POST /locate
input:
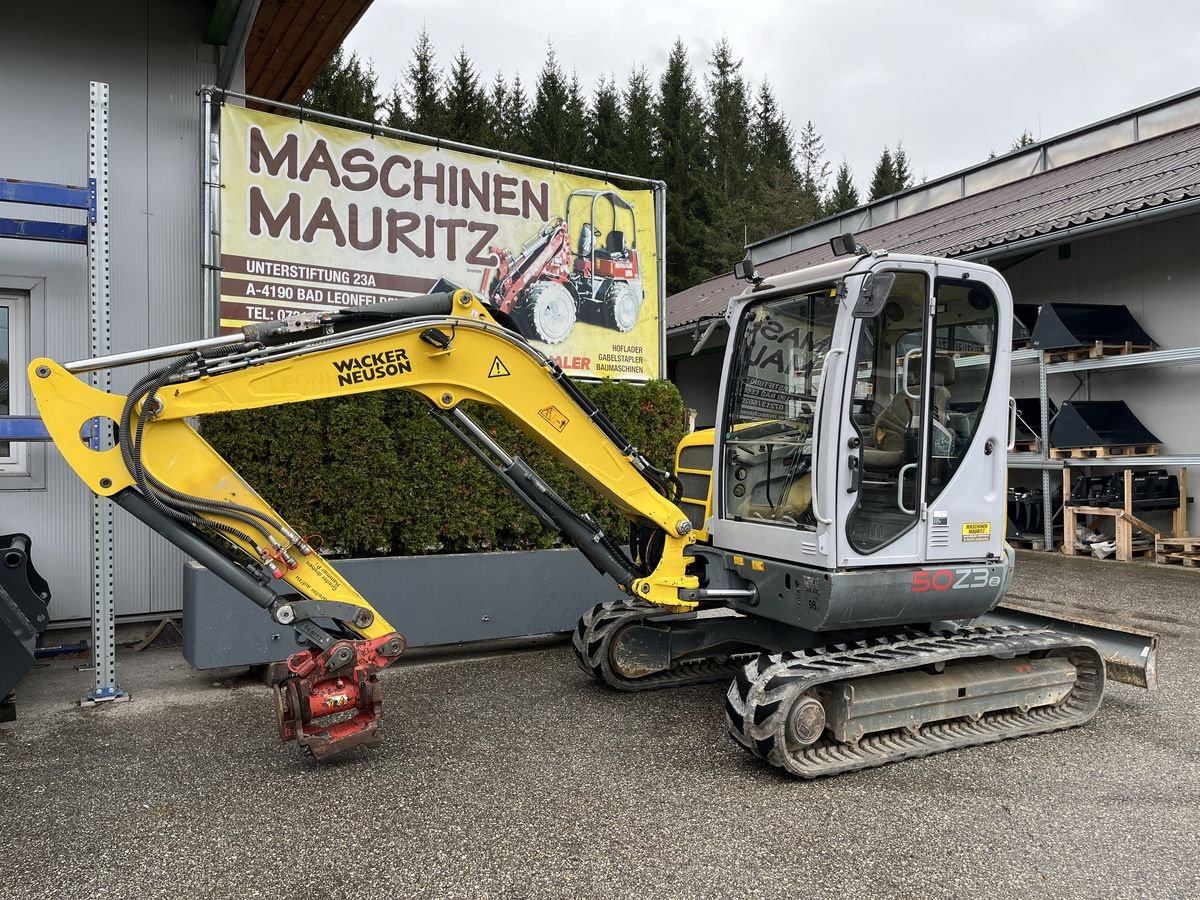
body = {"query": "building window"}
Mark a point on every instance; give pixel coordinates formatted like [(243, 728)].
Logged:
[(14, 357)]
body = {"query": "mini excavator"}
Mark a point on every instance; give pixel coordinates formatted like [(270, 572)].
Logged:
[(829, 547)]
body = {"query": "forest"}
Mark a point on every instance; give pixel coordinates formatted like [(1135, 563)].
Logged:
[(736, 169)]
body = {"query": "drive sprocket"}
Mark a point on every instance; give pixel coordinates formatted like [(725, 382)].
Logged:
[(594, 636)]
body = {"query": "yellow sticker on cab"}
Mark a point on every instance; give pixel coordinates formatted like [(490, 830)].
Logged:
[(977, 531)]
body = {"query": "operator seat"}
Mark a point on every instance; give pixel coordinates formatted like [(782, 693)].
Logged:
[(794, 505), (583, 253), (614, 246), (891, 427)]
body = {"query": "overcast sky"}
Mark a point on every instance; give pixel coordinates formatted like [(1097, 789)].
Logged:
[(952, 80)]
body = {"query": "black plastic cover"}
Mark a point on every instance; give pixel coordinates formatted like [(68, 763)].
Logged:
[(1064, 325), (1152, 490), (1029, 418), (24, 597), (1097, 423), (1024, 318)]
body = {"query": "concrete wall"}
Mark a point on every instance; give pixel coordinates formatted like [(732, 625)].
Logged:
[(152, 56), (431, 600)]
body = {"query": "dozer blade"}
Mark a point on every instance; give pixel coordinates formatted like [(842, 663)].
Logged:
[(331, 700), (1130, 654), (840, 709)]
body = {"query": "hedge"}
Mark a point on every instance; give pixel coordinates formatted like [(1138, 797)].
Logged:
[(376, 475)]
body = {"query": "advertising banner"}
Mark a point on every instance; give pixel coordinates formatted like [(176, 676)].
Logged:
[(315, 217)]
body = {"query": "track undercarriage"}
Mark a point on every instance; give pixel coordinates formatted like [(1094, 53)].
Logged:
[(840, 703)]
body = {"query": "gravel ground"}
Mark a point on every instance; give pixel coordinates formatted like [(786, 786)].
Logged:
[(512, 775)]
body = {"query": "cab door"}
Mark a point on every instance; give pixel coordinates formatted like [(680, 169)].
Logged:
[(885, 428), (773, 478), (965, 460)]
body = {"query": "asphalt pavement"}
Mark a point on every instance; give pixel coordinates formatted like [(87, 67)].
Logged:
[(510, 774)]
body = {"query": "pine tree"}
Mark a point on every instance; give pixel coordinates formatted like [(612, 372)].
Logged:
[(557, 113), (1024, 140), (814, 168), (770, 134), (464, 111), (605, 128), (516, 118), (422, 88), (636, 155), (883, 180), (904, 176), (394, 114), (346, 87), (728, 122), (494, 127), (681, 162), (575, 138), (779, 200), (844, 195)]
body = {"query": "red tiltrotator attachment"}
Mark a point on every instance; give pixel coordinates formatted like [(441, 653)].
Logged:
[(329, 685)]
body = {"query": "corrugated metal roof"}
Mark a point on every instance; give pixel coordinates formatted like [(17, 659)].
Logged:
[(1151, 173)]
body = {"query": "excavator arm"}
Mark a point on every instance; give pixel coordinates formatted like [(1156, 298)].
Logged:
[(449, 348)]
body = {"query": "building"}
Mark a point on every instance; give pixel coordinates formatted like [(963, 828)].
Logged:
[(154, 57), (1109, 213), (1106, 214)]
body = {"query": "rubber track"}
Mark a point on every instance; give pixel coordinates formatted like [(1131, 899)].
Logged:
[(761, 695), (593, 638)]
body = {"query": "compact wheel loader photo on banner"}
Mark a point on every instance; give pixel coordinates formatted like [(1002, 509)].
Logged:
[(833, 550), (548, 285)]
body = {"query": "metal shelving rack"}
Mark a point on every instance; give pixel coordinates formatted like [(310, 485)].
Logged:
[(1145, 359), (94, 199)]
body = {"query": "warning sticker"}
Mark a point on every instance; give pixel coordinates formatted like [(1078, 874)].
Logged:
[(552, 415), (976, 531), (498, 370)]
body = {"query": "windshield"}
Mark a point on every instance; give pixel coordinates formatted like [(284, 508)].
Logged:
[(776, 375)]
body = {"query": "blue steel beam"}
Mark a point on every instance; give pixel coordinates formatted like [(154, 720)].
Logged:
[(40, 193), (43, 231), (23, 428)]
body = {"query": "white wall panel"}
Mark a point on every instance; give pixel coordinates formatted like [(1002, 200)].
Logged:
[(153, 58), (1154, 270)]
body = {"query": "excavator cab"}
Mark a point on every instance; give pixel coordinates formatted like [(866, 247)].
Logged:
[(857, 439)]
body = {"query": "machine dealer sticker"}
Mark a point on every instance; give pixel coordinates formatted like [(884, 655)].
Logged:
[(976, 531)]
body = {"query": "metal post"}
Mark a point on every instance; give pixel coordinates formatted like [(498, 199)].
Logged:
[(210, 228), (660, 215), (1047, 495), (99, 303)]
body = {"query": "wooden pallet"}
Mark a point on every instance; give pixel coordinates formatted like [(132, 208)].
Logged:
[(1178, 551), (1182, 544), (1026, 446), (1187, 560), (1027, 542), (1104, 452), (1095, 351)]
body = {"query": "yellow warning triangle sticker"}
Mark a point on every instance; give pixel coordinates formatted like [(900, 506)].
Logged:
[(498, 369)]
